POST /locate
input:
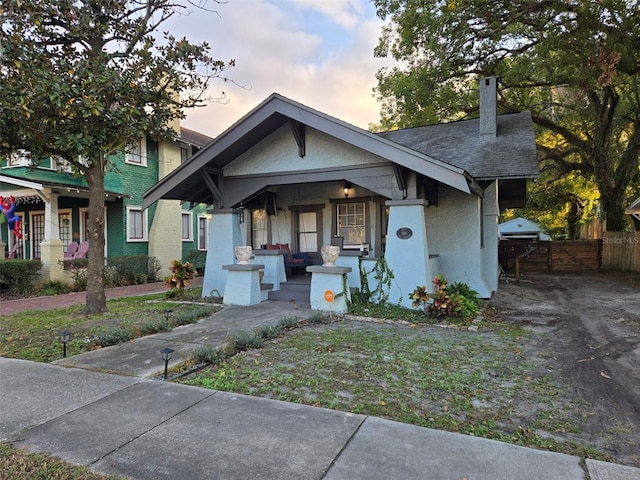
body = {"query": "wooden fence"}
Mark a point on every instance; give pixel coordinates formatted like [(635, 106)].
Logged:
[(621, 251), (575, 255), (618, 251)]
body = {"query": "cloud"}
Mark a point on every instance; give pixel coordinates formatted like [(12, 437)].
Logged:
[(317, 53)]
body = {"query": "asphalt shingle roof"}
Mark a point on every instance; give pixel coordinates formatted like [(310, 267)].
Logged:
[(511, 154)]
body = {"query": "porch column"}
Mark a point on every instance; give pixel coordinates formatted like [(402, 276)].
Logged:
[(407, 252), (224, 235), (51, 248)]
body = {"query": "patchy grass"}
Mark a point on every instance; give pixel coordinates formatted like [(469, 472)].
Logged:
[(473, 383), (18, 464), (33, 335)]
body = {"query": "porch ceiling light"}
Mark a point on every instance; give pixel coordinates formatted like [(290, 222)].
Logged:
[(347, 187)]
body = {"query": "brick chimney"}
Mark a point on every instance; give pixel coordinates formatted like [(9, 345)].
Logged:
[(488, 107)]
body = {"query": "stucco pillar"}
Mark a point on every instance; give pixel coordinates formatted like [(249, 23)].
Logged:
[(407, 252), (224, 235), (329, 279), (51, 248), (242, 286)]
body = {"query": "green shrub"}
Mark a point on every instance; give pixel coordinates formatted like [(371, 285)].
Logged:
[(192, 316), (134, 269), (54, 287), (463, 289), (197, 258), (114, 336), (19, 276), (268, 331), (207, 354), (75, 263), (244, 340), (288, 322), (149, 327), (446, 301)]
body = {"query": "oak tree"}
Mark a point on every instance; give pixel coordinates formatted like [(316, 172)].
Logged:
[(574, 64)]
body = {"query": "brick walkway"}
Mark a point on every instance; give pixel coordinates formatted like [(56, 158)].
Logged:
[(10, 307)]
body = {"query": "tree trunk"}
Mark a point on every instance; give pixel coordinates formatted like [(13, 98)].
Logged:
[(96, 299), (612, 201)]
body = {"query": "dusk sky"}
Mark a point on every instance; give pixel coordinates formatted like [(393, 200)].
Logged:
[(319, 53)]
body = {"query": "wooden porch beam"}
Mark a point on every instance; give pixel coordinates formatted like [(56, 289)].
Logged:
[(213, 188), (298, 130)]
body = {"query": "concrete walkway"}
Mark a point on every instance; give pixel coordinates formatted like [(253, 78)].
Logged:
[(130, 425)]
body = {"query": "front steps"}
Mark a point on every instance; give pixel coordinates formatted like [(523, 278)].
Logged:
[(295, 289)]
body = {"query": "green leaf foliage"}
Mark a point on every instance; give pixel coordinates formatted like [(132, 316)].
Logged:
[(83, 79), (574, 65)]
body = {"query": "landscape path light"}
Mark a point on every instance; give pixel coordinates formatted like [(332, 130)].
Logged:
[(64, 338), (166, 353)]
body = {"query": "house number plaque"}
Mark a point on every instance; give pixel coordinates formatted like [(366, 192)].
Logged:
[(404, 233)]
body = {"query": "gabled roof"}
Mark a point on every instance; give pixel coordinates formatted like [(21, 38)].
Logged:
[(510, 154), (185, 183), (191, 137)]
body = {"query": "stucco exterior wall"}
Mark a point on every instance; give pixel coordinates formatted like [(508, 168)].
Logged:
[(453, 232), (279, 153)]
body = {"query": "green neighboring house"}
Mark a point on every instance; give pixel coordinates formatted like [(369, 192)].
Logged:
[(52, 202)]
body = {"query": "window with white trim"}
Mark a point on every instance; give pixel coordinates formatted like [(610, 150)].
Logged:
[(203, 232), (187, 226), (59, 164), (64, 227), (351, 222), (19, 158), (137, 221), (136, 153), (259, 233)]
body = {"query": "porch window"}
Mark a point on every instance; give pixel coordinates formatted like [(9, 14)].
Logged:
[(64, 227), (259, 233), (203, 232), (136, 153), (351, 223), (136, 224), (37, 233), (187, 227)]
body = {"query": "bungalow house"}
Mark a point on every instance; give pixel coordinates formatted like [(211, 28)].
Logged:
[(427, 198), (52, 204)]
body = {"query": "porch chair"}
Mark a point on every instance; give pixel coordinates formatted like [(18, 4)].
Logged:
[(291, 260), (83, 248), (72, 248)]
